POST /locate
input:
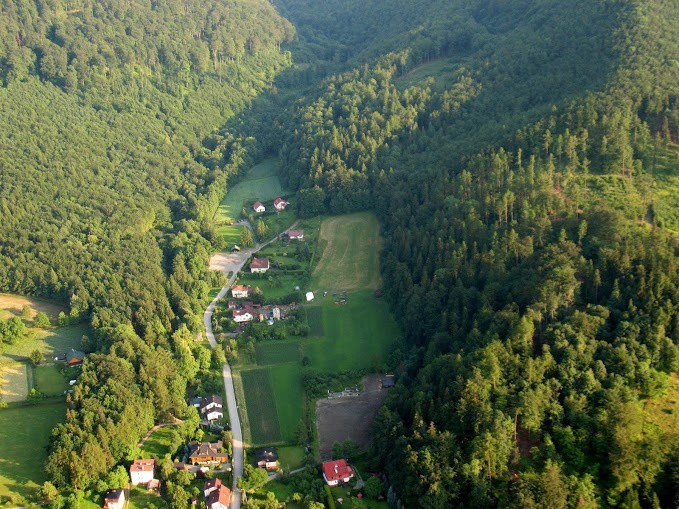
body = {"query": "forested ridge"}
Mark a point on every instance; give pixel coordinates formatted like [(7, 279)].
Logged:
[(527, 195), (111, 169)]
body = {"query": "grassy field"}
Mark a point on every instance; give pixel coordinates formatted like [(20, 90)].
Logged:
[(357, 335), (49, 380), (24, 435), (274, 286), (442, 71), (260, 184), (278, 352), (13, 380), (261, 407), (12, 305), (159, 442), (663, 411), (140, 498), (49, 341), (290, 457), (666, 187), (278, 222), (315, 318), (350, 247), (288, 392), (230, 235)]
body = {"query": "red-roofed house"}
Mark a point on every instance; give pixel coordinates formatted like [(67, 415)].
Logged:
[(211, 485), (141, 471), (219, 498), (240, 291), (258, 206), (296, 234), (260, 265), (280, 204), (115, 499), (242, 316), (336, 472)]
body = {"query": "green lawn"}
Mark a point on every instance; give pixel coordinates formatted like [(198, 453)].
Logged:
[(159, 442), (260, 184), (357, 335), (274, 285), (13, 380), (278, 221), (349, 248), (288, 391), (230, 235), (50, 341), (315, 318), (49, 380), (278, 352), (290, 457), (24, 435), (261, 406), (141, 498)]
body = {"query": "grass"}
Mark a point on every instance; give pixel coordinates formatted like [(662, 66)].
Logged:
[(357, 335), (666, 187), (442, 71), (49, 380), (24, 436), (159, 442), (350, 247), (13, 381), (278, 352), (230, 235), (261, 409), (663, 411), (273, 285), (278, 222), (288, 392), (141, 498), (260, 184), (12, 305), (290, 457), (315, 318), (50, 341)]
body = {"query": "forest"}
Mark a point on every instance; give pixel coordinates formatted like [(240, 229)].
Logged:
[(521, 157)]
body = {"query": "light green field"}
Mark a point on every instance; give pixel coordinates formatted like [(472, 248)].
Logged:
[(141, 498), (230, 235), (261, 407), (288, 392), (50, 342), (274, 286), (12, 305), (290, 457), (278, 352), (49, 380), (24, 436), (442, 71), (666, 187), (358, 335), (159, 442), (260, 184), (350, 247), (13, 380)]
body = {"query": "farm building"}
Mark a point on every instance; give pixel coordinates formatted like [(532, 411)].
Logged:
[(267, 458), (336, 472), (206, 453), (115, 499), (141, 471), (240, 291), (259, 265), (258, 207), (75, 357), (280, 204), (296, 234)]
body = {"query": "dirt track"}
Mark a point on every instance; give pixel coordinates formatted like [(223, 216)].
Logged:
[(349, 417)]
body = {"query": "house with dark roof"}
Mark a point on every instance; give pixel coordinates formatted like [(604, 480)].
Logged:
[(259, 265), (206, 453), (211, 408), (337, 472), (267, 458), (75, 357), (114, 499)]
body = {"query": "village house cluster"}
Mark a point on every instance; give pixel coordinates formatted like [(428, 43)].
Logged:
[(279, 205)]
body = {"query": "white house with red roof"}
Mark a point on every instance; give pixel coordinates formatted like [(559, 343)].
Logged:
[(296, 234), (242, 316), (240, 291), (336, 472), (259, 207), (115, 499), (141, 471), (259, 265), (219, 498), (280, 204), (211, 485)]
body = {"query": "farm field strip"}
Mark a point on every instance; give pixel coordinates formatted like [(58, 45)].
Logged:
[(13, 381), (288, 392), (278, 352), (261, 406)]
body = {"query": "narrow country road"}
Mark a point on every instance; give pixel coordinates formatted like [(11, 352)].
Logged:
[(232, 263)]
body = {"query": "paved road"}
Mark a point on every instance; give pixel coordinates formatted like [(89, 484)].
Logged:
[(232, 263)]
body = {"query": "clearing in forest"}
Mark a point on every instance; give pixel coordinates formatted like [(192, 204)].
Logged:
[(13, 381), (24, 436), (12, 305), (350, 247)]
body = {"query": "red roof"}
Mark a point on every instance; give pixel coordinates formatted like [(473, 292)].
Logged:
[(259, 263), (257, 204), (278, 201), (142, 466), (336, 470), (295, 233), (212, 483), (240, 288), (221, 495)]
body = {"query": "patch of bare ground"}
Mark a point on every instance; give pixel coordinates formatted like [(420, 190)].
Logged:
[(349, 417)]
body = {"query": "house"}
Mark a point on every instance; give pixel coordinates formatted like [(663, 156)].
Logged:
[(309, 296), (206, 453), (141, 471), (267, 458), (75, 357), (115, 499), (240, 291), (388, 382), (235, 248), (296, 234), (258, 207), (276, 313), (211, 485), (280, 204), (242, 316), (336, 472), (259, 265), (196, 401), (211, 408), (219, 498), (232, 304)]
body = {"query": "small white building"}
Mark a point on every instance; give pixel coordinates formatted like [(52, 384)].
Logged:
[(259, 265), (258, 207), (240, 291), (309, 296), (242, 316), (141, 471)]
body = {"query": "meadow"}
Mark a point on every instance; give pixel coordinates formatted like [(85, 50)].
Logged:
[(24, 436), (261, 407), (159, 443), (13, 380), (49, 380)]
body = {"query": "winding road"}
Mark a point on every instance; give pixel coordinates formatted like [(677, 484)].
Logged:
[(231, 263)]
